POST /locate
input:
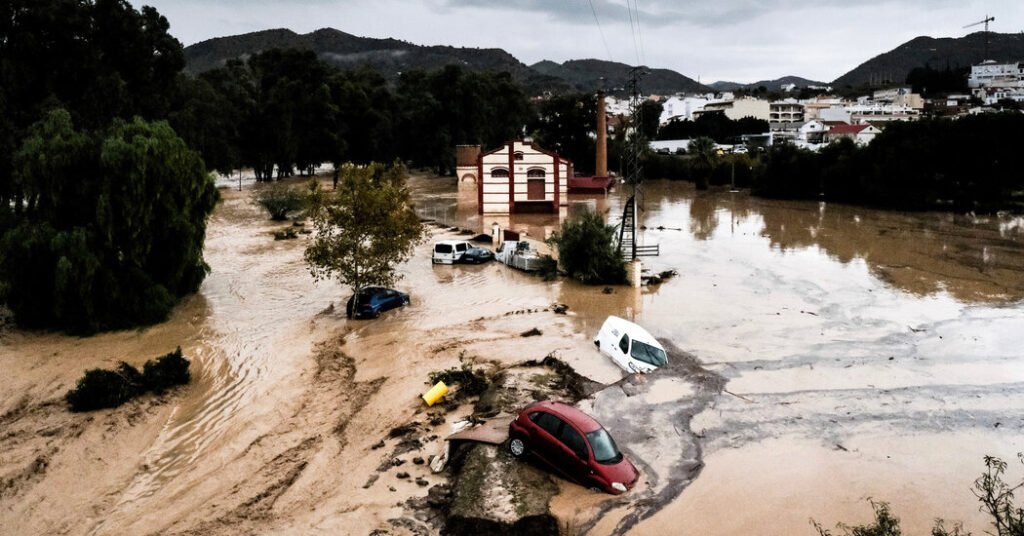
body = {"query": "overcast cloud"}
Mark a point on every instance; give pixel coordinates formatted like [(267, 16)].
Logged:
[(737, 40)]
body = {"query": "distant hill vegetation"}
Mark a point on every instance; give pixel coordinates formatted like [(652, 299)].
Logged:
[(892, 67), (387, 56), (770, 85), (391, 56), (591, 75)]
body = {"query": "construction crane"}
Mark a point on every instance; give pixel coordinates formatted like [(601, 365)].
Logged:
[(987, 20)]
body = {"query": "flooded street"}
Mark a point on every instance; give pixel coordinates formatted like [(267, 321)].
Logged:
[(864, 353), (868, 354)]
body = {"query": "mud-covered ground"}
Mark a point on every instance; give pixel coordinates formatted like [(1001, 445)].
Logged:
[(831, 354)]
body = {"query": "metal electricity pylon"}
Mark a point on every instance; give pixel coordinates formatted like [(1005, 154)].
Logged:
[(634, 170)]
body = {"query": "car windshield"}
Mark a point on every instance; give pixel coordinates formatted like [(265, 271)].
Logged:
[(604, 447), (648, 354), (443, 248)]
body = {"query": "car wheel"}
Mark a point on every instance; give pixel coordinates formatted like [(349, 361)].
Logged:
[(375, 314), (518, 446), (406, 301)]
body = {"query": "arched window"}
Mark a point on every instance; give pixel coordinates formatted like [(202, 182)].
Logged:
[(499, 173), (518, 155), (535, 173)]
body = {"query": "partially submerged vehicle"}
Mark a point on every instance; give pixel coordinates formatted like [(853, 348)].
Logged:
[(630, 346), (373, 301), (572, 443), (477, 255), (519, 254), (450, 251)]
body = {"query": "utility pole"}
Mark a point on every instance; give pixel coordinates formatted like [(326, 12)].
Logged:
[(634, 168)]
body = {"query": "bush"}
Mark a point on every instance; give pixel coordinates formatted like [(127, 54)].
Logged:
[(166, 372), (280, 200), (588, 252), (99, 388)]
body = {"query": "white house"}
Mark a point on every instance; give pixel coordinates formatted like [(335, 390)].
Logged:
[(861, 134), (521, 177), (812, 131), (992, 82)]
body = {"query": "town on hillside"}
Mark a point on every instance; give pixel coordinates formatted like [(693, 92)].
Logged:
[(813, 122)]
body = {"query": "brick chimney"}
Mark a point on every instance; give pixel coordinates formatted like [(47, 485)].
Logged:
[(601, 168)]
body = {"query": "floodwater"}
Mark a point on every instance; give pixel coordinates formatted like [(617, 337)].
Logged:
[(865, 353), (868, 354)]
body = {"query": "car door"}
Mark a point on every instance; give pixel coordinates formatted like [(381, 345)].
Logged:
[(574, 456), (546, 443), (460, 250)]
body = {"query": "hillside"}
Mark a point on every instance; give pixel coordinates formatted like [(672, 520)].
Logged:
[(892, 67), (586, 75), (771, 85), (346, 51)]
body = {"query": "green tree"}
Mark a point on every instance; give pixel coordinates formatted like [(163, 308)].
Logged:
[(281, 199), (588, 252), (705, 158), (364, 228), (109, 230), (650, 118), (566, 124)]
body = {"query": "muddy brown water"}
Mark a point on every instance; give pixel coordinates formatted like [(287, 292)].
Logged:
[(866, 353), (869, 354)]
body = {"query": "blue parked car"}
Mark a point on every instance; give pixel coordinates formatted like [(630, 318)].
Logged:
[(375, 300)]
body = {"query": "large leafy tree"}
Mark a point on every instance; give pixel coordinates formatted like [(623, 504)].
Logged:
[(108, 230), (365, 228), (588, 252), (97, 59), (566, 124)]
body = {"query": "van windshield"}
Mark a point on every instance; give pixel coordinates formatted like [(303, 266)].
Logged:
[(648, 354), (443, 248), (604, 447)]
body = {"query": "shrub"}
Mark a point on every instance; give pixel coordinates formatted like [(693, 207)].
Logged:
[(280, 200), (588, 251), (166, 372), (99, 388)]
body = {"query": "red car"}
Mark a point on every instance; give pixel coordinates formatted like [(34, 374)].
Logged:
[(572, 443)]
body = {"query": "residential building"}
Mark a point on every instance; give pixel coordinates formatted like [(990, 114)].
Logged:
[(738, 108), (812, 131), (521, 177), (682, 108), (992, 82), (861, 134), (786, 111), (868, 110)]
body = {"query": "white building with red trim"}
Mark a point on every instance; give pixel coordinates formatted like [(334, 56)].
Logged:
[(521, 177)]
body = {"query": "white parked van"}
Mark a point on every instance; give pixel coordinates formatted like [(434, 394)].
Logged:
[(449, 251), (630, 346)]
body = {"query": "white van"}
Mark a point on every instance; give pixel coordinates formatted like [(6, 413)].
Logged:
[(449, 251), (630, 346)]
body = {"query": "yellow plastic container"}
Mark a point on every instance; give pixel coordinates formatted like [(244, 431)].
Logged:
[(435, 393)]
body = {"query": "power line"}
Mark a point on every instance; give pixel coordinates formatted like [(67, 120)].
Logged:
[(600, 31), (639, 34), (632, 31)]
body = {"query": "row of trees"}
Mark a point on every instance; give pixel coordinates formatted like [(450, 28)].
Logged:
[(935, 164), (284, 111)]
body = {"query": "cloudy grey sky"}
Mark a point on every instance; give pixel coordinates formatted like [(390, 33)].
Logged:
[(737, 40)]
